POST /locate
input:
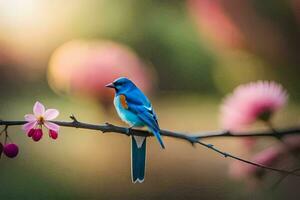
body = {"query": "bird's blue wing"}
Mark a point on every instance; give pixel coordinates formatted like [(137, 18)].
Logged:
[(137, 97), (149, 119), (139, 104)]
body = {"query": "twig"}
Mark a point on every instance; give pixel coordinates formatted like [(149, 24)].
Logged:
[(284, 176), (193, 139), (245, 161), (268, 133)]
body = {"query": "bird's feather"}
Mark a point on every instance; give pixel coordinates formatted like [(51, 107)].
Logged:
[(140, 105), (138, 158), (123, 101)]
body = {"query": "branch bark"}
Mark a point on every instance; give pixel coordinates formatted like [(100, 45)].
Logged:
[(192, 138)]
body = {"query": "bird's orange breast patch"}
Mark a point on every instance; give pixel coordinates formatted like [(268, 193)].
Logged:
[(123, 101)]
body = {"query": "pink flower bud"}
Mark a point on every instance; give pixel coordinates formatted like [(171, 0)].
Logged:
[(1, 148), (31, 132), (11, 150), (37, 135), (53, 134)]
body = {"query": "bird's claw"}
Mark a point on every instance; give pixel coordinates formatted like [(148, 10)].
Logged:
[(128, 131)]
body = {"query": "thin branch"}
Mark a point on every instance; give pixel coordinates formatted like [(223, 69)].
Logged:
[(268, 133), (281, 179), (193, 139), (205, 134), (245, 161)]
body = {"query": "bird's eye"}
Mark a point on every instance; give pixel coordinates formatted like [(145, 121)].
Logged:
[(118, 84)]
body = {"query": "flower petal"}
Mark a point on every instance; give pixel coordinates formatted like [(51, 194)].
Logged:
[(51, 126), (30, 118), (28, 126), (51, 114), (38, 109), (251, 102)]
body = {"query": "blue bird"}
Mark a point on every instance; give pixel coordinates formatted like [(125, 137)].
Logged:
[(134, 108)]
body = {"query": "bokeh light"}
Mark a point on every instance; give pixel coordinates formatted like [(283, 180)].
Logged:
[(85, 67)]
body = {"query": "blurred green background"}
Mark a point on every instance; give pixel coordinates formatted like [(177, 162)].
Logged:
[(186, 55)]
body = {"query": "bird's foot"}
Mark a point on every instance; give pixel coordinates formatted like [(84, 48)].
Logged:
[(128, 131)]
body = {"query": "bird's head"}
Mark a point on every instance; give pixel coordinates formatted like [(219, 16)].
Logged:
[(121, 84)]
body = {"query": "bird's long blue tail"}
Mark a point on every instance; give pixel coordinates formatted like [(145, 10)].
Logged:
[(138, 158)]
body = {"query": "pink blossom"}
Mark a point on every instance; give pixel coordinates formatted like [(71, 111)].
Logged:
[(271, 156), (248, 143), (40, 117), (250, 102), (267, 157), (82, 67)]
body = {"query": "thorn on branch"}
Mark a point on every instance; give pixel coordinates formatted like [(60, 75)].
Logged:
[(74, 118), (109, 124), (192, 140), (192, 143), (210, 145)]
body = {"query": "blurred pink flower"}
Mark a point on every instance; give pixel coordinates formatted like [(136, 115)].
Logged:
[(295, 4), (39, 118), (267, 157), (248, 143), (215, 23), (251, 102), (83, 67)]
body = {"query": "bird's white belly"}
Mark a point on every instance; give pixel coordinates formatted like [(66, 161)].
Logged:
[(126, 115)]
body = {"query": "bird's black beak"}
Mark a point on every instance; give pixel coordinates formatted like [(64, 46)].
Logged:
[(110, 85)]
